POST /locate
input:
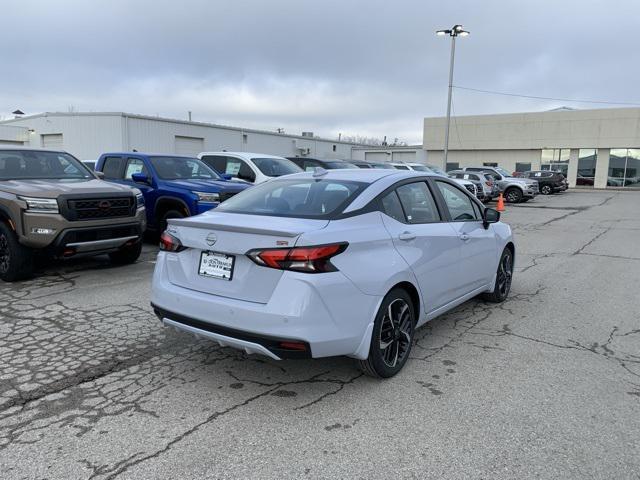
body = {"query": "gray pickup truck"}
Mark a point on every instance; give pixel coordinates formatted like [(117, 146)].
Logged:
[(514, 189), (51, 204)]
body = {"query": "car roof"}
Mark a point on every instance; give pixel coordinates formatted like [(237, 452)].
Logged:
[(146, 154), (246, 155), (30, 149), (369, 175), (319, 159)]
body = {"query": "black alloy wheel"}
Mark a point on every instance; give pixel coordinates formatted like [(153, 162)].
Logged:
[(546, 189), (504, 277), (513, 195)]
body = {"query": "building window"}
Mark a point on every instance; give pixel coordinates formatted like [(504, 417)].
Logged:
[(587, 159), (245, 138), (334, 148), (489, 164), (523, 167), (556, 159), (452, 166), (624, 168)]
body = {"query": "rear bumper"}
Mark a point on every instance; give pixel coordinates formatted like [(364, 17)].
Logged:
[(324, 311)]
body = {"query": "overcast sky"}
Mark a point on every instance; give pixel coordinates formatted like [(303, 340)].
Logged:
[(360, 67)]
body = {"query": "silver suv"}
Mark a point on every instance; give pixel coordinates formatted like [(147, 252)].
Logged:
[(515, 190)]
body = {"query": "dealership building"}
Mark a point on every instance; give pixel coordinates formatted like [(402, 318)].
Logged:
[(593, 148), (86, 135)]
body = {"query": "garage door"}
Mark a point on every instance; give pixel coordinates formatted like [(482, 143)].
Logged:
[(189, 145), (404, 156), (52, 141), (376, 156)]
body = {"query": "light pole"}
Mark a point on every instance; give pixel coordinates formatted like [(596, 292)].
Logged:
[(455, 31)]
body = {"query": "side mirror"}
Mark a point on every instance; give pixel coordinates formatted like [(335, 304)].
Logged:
[(490, 216), (226, 176), (100, 175), (140, 178)]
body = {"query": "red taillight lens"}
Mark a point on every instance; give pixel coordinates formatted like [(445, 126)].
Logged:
[(169, 243), (299, 259)]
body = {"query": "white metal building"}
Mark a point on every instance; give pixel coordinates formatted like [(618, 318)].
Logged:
[(406, 153), (86, 135)]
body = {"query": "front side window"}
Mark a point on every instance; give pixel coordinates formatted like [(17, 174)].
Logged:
[(112, 168), (217, 162), (299, 198), (276, 167), (458, 203), (16, 164), (181, 168), (417, 203)]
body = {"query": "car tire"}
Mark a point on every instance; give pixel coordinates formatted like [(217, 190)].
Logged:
[(127, 255), (170, 214), (504, 276), (16, 260), (546, 189), (394, 326), (513, 195)]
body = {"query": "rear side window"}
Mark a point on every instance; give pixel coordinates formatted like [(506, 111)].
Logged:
[(135, 165), (300, 198), (275, 167), (392, 207), (458, 203), (417, 202), (112, 167), (218, 163)]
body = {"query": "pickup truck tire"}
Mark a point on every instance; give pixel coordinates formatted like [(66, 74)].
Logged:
[(167, 216), (16, 261), (126, 255), (546, 189), (513, 195)]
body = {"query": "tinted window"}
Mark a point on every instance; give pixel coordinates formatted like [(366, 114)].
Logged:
[(135, 165), (417, 202), (112, 167), (182, 168), (421, 168), (401, 167), (337, 165), (276, 167), (218, 163), (460, 206), (38, 164), (303, 198), (309, 165), (392, 207)]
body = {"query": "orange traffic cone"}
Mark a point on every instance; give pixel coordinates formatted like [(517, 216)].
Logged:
[(500, 206)]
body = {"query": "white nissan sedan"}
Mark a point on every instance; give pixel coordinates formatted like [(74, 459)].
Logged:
[(324, 263)]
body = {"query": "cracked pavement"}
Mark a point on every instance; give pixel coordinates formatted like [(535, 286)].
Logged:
[(545, 385)]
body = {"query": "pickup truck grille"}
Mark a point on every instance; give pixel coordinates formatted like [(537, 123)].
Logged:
[(226, 195), (97, 208)]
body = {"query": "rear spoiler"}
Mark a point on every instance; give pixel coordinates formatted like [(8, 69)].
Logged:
[(189, 222)]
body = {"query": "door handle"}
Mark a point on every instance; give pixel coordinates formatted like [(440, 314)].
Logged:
[(464, 237), (407, 236)]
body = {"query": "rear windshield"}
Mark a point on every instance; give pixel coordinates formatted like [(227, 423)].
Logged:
[(421, 168), (33, 164), (276, 167), (182, 168), (336, 165), (297, 198)]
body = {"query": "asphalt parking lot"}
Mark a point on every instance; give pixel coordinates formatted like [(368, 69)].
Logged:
[(546, 385)]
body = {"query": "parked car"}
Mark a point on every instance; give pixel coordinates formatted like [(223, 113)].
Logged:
[(250, 167), (308, 164), (340, 262), (515, 190), (470, 186), (173, 186), (363, 164), (548, 181), (90, 164), (487, 189), (420, 167), (51, 204)]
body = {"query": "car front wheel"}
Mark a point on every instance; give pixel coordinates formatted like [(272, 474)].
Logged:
[(504, 275), (16, 260), (513, 195), (546, 190), (392, 336)]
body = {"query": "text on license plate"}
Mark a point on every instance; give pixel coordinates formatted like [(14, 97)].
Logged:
[(216, 265)]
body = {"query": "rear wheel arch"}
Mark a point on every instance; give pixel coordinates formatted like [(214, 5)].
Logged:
[(413, 293), (511, 247), (166, 204)]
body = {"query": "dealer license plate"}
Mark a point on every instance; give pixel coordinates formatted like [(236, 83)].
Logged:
[(216, 265)]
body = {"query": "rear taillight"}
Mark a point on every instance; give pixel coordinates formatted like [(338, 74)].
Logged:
[(314, 259), (169, 243)]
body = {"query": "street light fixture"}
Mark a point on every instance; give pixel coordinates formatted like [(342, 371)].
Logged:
[(455, 31)]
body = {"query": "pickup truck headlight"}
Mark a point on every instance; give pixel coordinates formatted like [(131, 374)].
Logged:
[(139, 200), (41, 205), (207, 197)]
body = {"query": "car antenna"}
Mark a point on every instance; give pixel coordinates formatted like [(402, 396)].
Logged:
[(319, 172)]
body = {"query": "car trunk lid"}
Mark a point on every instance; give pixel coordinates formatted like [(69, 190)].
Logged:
[(233, 235)]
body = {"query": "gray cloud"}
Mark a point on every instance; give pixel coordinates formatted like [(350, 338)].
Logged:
[(356, 67)]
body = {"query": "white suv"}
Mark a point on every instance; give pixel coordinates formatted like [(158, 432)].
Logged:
[(250, 167)]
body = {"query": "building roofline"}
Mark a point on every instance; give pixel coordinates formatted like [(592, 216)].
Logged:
[(546, 112), (173, 120)]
